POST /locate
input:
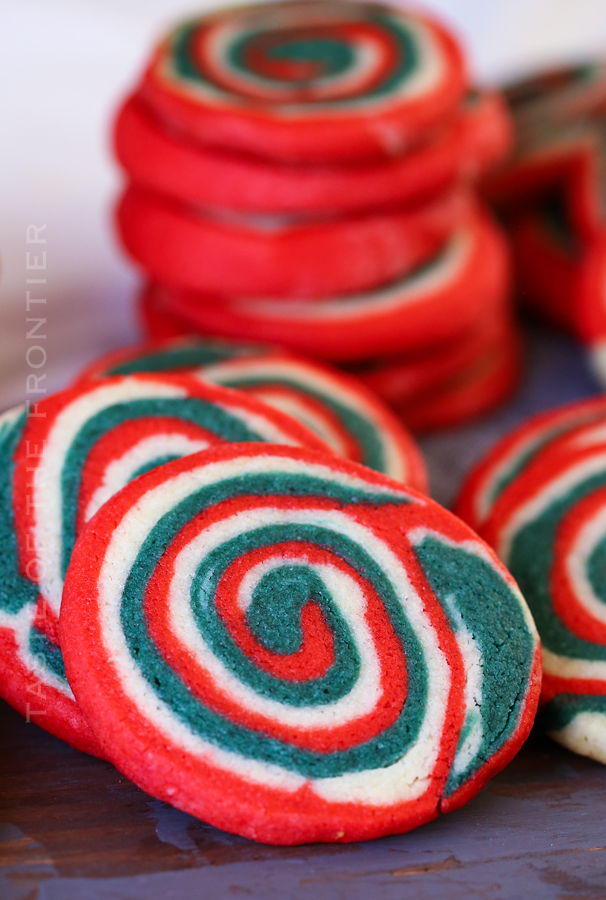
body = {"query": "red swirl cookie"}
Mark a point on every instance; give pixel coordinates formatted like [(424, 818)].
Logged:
[(313, 81), (438, 301), (350, 419), (295, 648), (225, 254), (547, 524), (165, 161)]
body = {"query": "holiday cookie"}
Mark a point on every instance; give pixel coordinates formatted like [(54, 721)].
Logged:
[(307, 81), (295, 648), (60, 463), (549, 528), (400, 379), (437, 301), (165, 162), (223, 253), (478, 388), (514, 452), (347, 416)]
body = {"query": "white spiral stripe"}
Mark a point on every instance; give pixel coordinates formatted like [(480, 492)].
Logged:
[(531, 510), (585, 734), (47, 489), (568, 667), (577, 562), (121, 470), (20, 625)]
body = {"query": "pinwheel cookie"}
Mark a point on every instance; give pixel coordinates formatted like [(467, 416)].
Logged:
[(307, 81), (439, 300), (341, 410), (191, 172), (295, 648), (224, 253), (540, 501), (60, 461)]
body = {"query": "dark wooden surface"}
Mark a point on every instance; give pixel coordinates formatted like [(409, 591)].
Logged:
[(73, 827)]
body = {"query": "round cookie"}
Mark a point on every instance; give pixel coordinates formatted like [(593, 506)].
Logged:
[(347, 416), (222, 253), (514, 452), (162, 161), (549, 528), (308, 82), (295, 648), (474, 391), (63, 460), (438, 301), (400, 379)]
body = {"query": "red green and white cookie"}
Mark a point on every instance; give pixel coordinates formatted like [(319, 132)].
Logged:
[(514, 452), (59, 463), (295, 648), (340, 410), (401, 379), (438, 301), (307, 82), (549, 527), (161, 160), (224, 253), (477, 389)]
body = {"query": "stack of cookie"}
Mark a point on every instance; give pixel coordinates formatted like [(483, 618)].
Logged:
[(303, 173), (551, 194)]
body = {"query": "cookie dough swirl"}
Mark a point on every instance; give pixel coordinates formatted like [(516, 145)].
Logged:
[(301, 633)]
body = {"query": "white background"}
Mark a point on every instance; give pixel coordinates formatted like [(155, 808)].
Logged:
[(64, 64)]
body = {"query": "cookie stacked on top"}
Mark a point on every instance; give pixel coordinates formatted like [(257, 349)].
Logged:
[(303, 173)]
